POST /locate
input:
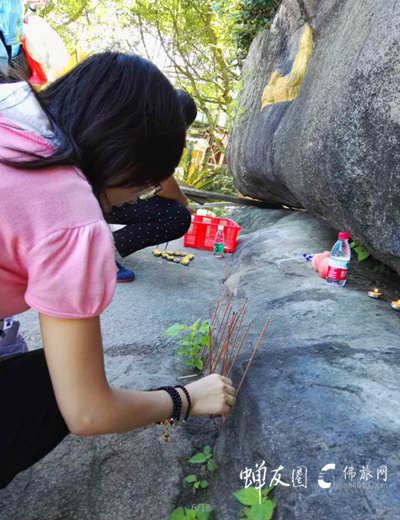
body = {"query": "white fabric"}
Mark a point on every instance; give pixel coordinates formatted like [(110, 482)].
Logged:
[(19, 105), (45, 46)]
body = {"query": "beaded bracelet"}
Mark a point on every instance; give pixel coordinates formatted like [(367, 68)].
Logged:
[(176, 411), (177, 401), (188, 400)]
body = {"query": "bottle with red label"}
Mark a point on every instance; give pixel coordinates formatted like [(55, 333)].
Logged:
[(339, 261)]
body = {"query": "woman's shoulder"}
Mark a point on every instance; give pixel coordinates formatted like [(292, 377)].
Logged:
[(41, 202)]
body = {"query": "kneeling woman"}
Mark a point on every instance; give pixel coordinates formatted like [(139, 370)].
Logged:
[(97, 137)]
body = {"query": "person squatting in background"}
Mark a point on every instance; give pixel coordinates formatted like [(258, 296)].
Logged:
[(160, 218)]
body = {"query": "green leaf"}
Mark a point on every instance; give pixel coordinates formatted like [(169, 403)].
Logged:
[(203, 514), (181, 351), (262, 511), (189, 362), (204, 326), (207, 450), (198, 363), (247, 511), (197, 484), (199, 341), (204, 483), (212, 465), (195, 325), (185, 342), (191, 478), (198, 458), (174, 329), (248, 496), (266, 490), (353, 245), (190, 513), (362, 253), (177, 514)]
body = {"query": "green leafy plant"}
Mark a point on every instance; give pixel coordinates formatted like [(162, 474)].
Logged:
[(250, 17), (196, 512), (204, 457), (254, 510), (193, 338), (196, 483), (205, 177), (362, 254)]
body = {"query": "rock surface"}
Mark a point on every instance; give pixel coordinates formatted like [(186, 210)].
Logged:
[(323, 388), (335, 148)]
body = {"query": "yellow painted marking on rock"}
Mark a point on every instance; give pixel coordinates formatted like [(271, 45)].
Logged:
[(285, 88)]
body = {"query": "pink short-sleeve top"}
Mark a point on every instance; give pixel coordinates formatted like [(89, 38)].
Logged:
[(56, 250)]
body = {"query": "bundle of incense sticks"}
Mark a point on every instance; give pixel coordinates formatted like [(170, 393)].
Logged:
[(227, 338)]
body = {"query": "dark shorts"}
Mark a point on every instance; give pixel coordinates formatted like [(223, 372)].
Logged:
[(31, 424)]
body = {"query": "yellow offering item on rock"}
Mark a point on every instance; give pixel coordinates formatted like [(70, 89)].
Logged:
[(178, 257)]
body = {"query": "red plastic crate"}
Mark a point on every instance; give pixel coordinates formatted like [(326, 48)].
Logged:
[(203, 229)]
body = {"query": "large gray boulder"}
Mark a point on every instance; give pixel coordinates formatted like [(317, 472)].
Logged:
[(335, 147)]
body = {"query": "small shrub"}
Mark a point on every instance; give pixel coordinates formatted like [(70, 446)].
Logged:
[(193, 338), (196, 483), (204, 457)]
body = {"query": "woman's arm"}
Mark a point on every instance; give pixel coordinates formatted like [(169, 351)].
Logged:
[(89, 406), (171, 190)]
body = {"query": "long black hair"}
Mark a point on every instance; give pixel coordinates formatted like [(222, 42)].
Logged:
[(117, 118)]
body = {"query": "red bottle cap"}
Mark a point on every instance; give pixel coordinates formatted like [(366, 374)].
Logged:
[(343, 235)]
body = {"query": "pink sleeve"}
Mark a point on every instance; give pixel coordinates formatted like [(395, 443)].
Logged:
[(72, 273)]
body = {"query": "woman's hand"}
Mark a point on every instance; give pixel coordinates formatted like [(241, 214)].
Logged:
[(213, 394), (74, 355)]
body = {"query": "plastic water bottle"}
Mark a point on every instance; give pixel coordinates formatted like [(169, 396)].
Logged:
[(219, 242), (339, 261)]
